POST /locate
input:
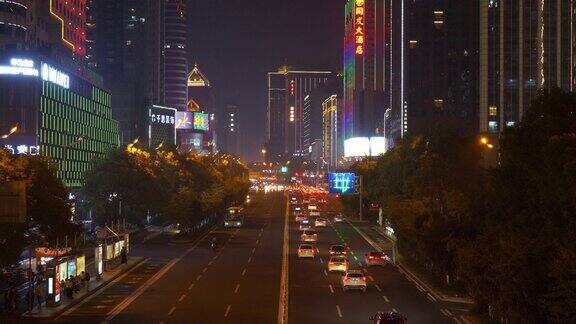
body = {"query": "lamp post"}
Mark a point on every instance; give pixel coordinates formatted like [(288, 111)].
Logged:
[(263, 155)]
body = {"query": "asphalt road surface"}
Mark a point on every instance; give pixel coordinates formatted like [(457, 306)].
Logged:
[(241, 281)]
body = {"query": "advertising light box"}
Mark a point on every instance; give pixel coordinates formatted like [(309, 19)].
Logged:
[(341, 182), (357, 147), (161, 126), (377, 146), (201, 121), (184, 120)]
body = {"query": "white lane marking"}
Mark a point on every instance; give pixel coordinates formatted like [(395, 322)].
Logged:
[(360, 264), (257, 241), (457, 320), (339, 311), (171, 310), (227, 310), (249, 259), (204, 270), (377, 287), (394, 310), (237, 287), (182, 298), (449, 312), (244, 272), (371, 278), (199, 277), (210, 263), (430, 297), (253, 250), (191, 286), (465, 320), (321, 260), (445, 312), (120, 307), (386, 299), (325, 273), (355, 258)]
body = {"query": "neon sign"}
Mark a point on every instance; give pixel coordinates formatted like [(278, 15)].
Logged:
[(19, 66), (201, 121), (359, 35), (55, 76)]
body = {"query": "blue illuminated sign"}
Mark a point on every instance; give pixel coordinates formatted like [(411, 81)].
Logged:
[(341, 183)]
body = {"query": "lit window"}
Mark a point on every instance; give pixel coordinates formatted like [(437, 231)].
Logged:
[(493, 110)]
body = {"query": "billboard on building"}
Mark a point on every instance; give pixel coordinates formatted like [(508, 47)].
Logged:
[(187, 120), (161, 126), (364, 146), (201, 121)]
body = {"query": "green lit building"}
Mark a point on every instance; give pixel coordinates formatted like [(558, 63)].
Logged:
[(61, 112)]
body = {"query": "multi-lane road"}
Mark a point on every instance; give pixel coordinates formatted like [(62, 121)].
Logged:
[(242, 282)]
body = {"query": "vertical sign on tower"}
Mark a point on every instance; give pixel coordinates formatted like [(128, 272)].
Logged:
[(359, 12)]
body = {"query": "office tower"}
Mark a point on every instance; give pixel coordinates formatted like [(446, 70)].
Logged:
[(366, 67), (525, 45), (333, 143), (287, 91), (233, 134), (125, 45), (441, 66), (175, 55)]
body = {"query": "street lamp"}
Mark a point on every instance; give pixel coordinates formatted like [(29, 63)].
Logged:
[(263, 155), (12, 131)]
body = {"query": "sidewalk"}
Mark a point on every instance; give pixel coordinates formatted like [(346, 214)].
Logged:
[(107, 277)]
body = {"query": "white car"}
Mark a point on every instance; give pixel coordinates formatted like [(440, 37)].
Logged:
[(314, 213), (306, 251), (338, 263), (376, 259), (309, 236), (320, 222), (354, 279), (339, 218)]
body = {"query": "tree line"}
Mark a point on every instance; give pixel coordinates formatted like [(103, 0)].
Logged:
[(506, 233)]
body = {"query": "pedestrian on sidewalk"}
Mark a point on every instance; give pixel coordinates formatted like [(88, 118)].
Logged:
[(40, 292)]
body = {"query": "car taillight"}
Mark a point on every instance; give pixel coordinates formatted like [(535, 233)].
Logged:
[(315, 235), (370, 257), (364, 278), (331, 252)]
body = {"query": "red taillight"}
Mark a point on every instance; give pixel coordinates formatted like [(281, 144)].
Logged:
[(331, 252), (364, 278), (315, 235), (370, 257)]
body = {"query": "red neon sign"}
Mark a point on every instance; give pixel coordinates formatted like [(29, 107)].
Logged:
[(359, 35)]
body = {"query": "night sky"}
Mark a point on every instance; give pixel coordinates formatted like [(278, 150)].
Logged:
[(236, 42)]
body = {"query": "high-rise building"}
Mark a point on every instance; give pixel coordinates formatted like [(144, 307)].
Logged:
[(441, 66), (233, 135), (175, 55), (366, 66), (524, 45), (126, 45), (60, 114), (287, 92), (332, 136)]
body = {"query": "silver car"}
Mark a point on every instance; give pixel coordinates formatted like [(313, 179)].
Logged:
[(354, 279)]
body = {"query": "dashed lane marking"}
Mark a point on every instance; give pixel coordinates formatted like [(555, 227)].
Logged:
[(457, 320), (182, 298), (237, 287), (227, 310), (199, 277), (253, 250), (191, 286), (325, 273), (171, 310), (210, 263), (386, 299), (394, 310), (339, 311), (430, 297), (204, 270), (331, 289), (445, 312), (377, 287), (244, 272), (249, 259), (371, 278), (321, 260)]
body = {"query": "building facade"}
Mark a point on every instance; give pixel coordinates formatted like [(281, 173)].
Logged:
[(525, 45), (175, 55), (366, 66), (60, 114), (287, 112), (332, 136), (232, 140)]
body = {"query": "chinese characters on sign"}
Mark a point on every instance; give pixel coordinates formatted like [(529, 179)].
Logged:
[(359, 11), (162, 119), (341, 183), (23, 149)]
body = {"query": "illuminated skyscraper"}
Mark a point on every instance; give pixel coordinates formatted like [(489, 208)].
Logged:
[(175, 55), (366, 66), (287, 92), (72, 17)]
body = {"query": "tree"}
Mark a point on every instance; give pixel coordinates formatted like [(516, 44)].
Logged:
[(48, 209)]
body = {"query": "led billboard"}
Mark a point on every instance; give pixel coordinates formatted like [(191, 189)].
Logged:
[(364, 146), (201, 121), (341, 183), (161, 126)]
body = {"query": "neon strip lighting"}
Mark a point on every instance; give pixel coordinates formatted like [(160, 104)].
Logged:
[(14, 3), (70, 44)]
